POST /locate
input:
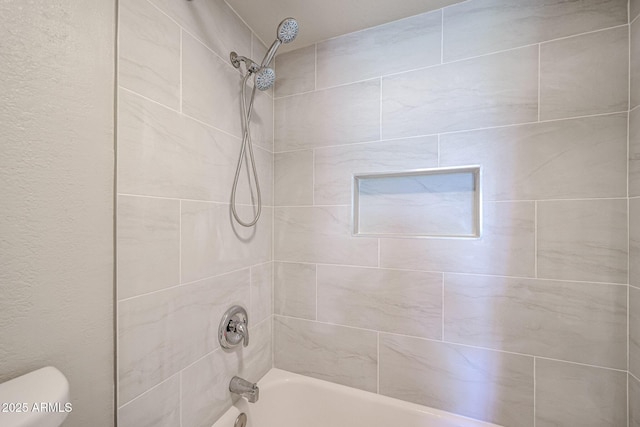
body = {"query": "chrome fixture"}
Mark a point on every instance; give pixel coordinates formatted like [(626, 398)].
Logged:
[(264, 78), (244, 388), (241, 421), (234, 328)]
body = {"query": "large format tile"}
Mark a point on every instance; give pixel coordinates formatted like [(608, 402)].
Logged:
[(261, 292), (296, 71), (261, 120), (159, 407), (294, 178), (162, 333), (148, 245), (634, 152), (494, 90), (578, 395), (205, 384), (403, 302), (213, 243), (580, 322), (334, 166), (634, 242), (482, 26), (634, 401), (567, 159), (149, 53), (482, 384), (583, 240), (321, 234), (505, 248), (402, 45), (635, 63), (211, 88), (333, 353), (162, 153), (584, 75), (634, 9), (295, 290), (634, 331), (336, 116), (213, 22)]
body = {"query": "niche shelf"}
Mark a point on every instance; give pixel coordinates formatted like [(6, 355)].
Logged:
[(437, 203)]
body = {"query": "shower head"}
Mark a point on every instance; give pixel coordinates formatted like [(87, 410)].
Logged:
[(265, 78), (287, 32)]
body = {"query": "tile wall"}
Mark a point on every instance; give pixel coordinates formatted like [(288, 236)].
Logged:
[(526, 326), (634, 218), (181, 261)]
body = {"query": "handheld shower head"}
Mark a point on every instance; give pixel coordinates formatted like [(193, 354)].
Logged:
[(287, 32), (265, 78)]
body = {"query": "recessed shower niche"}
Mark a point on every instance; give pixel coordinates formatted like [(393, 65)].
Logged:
[(441, 202)]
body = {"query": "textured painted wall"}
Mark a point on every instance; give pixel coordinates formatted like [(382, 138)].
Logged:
[(56, 169), (181, 260), (525, 326)]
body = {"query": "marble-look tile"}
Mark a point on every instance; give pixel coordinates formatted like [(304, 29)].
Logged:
[(296, 71), (321, 234), (398, 46), (634, 331), (583, 240), (205, 384), (212, 243), (634, 9), (403, 302), (493, 90), (634, 242), (586, 74), (634, 152), (505, 248), (213, 22), (482, 384), (634, 401), (566, 159), (295, 290), (159, 407), (261, 292), (261, 120), (336, 116), (580, 322), (148, 243), (332, 353), (149, 53), (334, 166), (162, 333), (482, 26), (421, 205), (211, 88), (635, 63), (578, 395), (162, 153), (294, 178)]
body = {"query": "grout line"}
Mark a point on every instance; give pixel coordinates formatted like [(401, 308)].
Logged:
[(442, 320), (535, 239), (600, 30), (181, 72), (498, 276), (212, 202), (488, 349), (316, 293), (147, 391), (313, 177), (378, 363), (442, 36), (454, 132)]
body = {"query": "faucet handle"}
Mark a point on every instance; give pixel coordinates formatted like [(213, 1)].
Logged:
[(234, 327)]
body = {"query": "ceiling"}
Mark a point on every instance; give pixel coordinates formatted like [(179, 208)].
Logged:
[(323, 19)]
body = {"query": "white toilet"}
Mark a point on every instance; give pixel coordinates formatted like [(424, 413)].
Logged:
[(37, 399)]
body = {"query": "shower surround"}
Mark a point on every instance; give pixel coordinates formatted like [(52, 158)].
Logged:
[(526, 326)]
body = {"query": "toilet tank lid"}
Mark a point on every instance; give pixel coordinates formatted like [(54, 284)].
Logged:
[(46, 385)]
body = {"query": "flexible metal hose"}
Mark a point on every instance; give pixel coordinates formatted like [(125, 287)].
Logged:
[(246, 142)]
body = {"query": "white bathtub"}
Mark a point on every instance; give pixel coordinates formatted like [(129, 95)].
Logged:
[(291, 400)]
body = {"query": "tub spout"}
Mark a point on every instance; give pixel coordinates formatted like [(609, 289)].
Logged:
[(244, 388)]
